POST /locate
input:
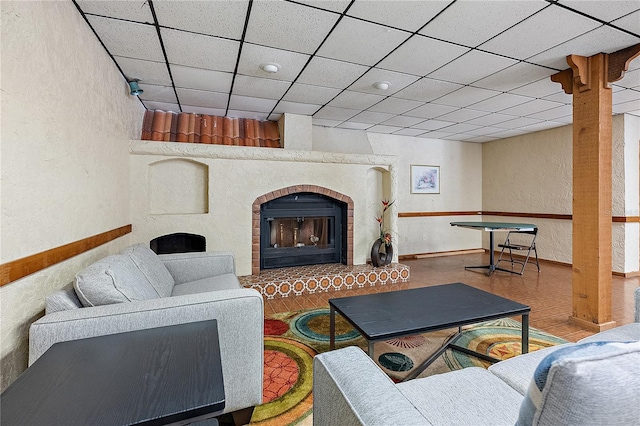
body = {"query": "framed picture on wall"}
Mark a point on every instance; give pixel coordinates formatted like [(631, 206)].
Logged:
[(425, 179)]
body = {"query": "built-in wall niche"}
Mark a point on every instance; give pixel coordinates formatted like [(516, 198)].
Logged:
[(178, 186)]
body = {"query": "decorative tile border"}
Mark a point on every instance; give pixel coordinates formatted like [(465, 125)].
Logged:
[(284, 282)]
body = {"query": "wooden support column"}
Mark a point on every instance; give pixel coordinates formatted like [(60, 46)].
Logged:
[(588, 80)]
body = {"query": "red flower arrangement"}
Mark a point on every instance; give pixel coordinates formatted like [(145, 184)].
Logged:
[(385, 236)]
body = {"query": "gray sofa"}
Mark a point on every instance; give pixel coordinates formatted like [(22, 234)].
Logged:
[(595, 381), (137, 289)]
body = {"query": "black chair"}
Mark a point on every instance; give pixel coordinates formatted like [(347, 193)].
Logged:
[(518, 246)]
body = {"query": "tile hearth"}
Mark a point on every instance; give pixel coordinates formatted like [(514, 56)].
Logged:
[(310, 279)]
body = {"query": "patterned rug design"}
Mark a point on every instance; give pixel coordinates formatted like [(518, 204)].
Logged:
[(292, 339)]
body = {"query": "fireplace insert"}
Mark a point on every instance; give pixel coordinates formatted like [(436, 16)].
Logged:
[(302, 229)]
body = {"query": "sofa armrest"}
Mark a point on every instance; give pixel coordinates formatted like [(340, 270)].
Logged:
[(350, 389), (187, 267), (240, 316)]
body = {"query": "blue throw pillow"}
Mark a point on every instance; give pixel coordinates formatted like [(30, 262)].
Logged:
[(592, 383)]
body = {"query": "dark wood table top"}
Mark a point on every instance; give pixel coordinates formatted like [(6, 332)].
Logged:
[(399, 313), (155, 376)]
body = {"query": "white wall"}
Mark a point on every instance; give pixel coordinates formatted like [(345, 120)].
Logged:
[(532, 173), (66, 122)]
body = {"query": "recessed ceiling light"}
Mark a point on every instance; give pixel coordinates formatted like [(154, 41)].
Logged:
[(381, 85), (270, 67)]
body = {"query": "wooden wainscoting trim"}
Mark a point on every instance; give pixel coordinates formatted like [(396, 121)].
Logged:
[(16, 269), (625, 219)]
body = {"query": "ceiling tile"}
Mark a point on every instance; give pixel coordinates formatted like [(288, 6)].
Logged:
[(331, 73), (604, 10), (396, 81), (560, 97), (352, 40), (355, 100), (517, 122), (307, 93), (508, 133), (201, 110), (630, 79), (629, 22), (627, 95), (485, 130), (461, 115), (426, 89), (218, 18), (334, 113), (421, 55), (146, 71), (406, 15), (473, 22), (460, 128), (201, 98), (252, 56), (554, 113), (371, 117), (513, 77), (491, 119), (354, 126), (395, 105), (481, 139), (627, 107), (128, 39), (333, 5), (158, 93), (532, 107), (296, 108), (403, 121), (472, 66), (465, 96), (162, 106), (134, 10), (500, 102), (430, 110), (207, 52), (288, 25), (259, 87), (539, 89), (246, 103), (550, 26), (195, 78), (603, 39), (409, 132), (383, 129), (435, 135), (541, 126), (432, 125)]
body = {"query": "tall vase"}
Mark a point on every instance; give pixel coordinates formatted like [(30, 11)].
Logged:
[(381, 254)]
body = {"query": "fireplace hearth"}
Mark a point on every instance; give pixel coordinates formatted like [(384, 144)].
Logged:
[(302, 229)]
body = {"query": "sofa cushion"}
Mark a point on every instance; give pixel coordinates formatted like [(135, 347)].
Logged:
[(219, 282), (471, 396), (114, 279), (62, 300), (152, 267), (592, 383)]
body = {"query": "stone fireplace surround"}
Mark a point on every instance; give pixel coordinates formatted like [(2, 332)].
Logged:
[(216, 191)]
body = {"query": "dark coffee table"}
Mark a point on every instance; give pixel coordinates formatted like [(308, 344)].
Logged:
[(383, 316), (153, 377)]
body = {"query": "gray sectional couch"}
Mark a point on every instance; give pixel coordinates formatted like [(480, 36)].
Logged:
[(595, 381), (137, 289)]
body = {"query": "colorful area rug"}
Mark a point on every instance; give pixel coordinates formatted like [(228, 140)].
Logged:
[(292, 339)]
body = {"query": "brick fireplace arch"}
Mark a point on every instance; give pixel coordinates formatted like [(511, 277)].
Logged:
[(255, 211)]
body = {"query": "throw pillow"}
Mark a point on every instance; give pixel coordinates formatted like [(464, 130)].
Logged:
[(114, 279), (592, 383), (152, 267)]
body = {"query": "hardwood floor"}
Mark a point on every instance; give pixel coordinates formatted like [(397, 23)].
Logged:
[(548, 292)]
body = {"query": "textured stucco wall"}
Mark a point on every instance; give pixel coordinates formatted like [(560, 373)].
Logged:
[(66, 122), (460, 190), (533, 174), (237, 176)]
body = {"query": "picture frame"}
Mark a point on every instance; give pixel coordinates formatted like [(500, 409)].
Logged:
[(425, 179)]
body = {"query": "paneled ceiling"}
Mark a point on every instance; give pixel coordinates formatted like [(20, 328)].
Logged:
[(456, 70)]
